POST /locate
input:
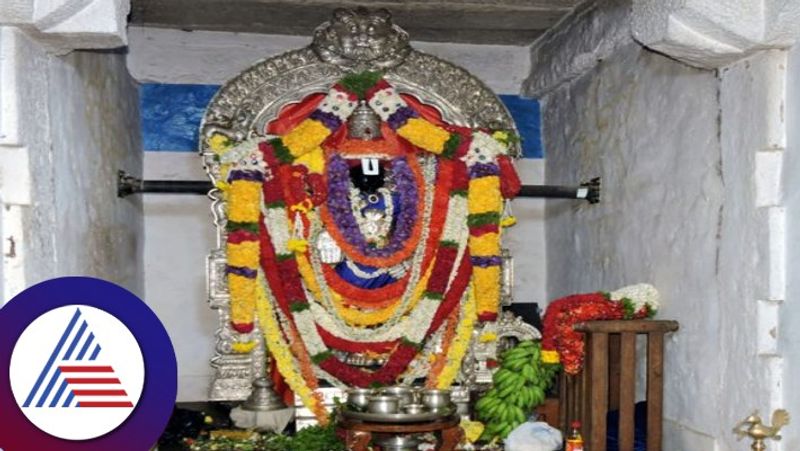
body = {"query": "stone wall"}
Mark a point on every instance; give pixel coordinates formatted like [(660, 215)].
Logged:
[(789, 332), (94, 130), (688, 205), (68, 124)]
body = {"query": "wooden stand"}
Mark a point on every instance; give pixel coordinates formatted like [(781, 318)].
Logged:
[(608, 382), (359, 433)]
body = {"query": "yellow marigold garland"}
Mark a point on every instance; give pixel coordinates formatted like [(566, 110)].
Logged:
[(461, 343), (485, 203), (313, 160), (279, 350), (484, 195), (242, 290), (424, 134), (244, 204), (244, 254), (305, 138)]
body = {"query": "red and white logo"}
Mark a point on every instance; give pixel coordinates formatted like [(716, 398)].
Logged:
[(77, 372)]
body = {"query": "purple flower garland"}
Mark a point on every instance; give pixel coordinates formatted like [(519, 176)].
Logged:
[(342, 213)]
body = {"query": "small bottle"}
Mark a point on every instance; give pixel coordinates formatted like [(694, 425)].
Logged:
[(574, 439)]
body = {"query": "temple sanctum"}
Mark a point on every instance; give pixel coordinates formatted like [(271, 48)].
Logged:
[(522, 225)]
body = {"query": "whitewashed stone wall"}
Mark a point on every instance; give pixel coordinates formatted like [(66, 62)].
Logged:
[(790, 317), (178, 228), (67, 124), (691, 162)]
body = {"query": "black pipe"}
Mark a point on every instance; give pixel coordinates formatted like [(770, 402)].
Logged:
[(127, 185)]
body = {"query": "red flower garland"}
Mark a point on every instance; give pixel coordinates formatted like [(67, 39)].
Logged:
[(558, 334), (334, 342)]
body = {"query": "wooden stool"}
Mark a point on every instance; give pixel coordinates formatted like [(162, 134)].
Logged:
[(359, 433), (608, 378)]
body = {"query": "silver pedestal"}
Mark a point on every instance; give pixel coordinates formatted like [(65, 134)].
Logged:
[(263, 398), (263, 410)]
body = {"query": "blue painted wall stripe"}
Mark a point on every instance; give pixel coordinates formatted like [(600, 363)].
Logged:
[(525, 112), (171, 115)]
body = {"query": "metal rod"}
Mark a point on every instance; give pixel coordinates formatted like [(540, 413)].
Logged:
[(127, 185)]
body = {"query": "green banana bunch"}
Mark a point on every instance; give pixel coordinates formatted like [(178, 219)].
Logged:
[(519, 385)]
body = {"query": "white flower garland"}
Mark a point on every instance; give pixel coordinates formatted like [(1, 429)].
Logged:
[(386, 102), (640, 295), (338, 103), (483, 149)]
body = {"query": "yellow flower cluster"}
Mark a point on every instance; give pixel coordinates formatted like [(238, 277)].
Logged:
[(297, 245), (244, 254), (487, 288), (283, 357), (460, 344), (243, 347), (472, 430), (218, 143), (305, 138), (356, 317), (485, 245), (508, 221), (244, 201), (549, 356), (243, 291), (487, 337), (313, 160), (424, 134), (484, 195)]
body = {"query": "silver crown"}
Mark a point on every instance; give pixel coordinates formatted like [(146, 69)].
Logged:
[(364, 123)]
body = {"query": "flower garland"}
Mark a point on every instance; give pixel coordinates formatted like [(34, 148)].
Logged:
[(459, 346), (438, 360), (338, 211), (279, 350), (561, 343), (443, 211), (393, 110), (485, 208), (417, 266)]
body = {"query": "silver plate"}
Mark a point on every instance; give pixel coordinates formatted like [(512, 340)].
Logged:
[(399, 417)]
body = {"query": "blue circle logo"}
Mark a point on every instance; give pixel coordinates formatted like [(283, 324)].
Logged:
[(90, 367)]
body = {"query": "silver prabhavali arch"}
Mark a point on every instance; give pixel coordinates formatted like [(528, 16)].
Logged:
[(351, 41)]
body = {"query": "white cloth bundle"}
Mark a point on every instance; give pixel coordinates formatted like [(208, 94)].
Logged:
[(534, 436)]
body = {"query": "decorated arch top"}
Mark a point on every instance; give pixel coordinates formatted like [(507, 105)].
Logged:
[(361, 221)]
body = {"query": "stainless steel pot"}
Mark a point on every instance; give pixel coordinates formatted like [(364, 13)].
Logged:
[(436, 400), (359, 397), (405, 395), (383, 404)]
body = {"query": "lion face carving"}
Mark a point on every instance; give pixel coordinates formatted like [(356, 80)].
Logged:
[(361, 39)]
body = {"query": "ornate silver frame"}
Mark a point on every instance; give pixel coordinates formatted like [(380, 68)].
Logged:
[(243, 107)]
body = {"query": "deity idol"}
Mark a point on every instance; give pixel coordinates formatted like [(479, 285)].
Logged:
[(362, 229)]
